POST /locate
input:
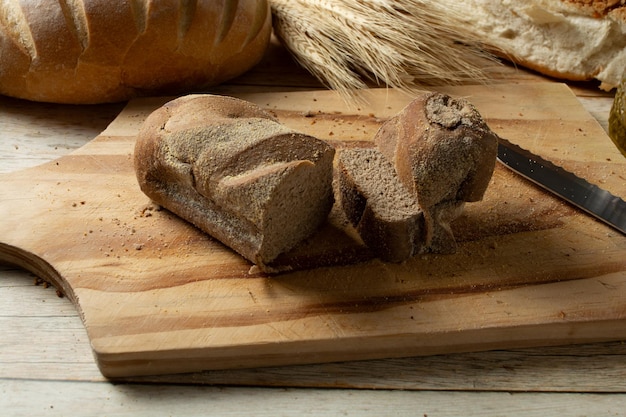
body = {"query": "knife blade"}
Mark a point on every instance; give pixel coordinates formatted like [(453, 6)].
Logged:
[(570, 187)]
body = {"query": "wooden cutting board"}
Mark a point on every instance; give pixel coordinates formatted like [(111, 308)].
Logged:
[(157, 296)]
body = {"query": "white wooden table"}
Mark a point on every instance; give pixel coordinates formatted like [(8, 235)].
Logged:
[(46, 365)]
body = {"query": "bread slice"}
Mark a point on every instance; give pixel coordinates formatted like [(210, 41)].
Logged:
[(236, 173), (385, 214)]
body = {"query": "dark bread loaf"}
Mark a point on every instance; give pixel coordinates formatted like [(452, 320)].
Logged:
[(441, 148), (444, 152), (94, 51), (235, 172), (261, 188), (432, 157)]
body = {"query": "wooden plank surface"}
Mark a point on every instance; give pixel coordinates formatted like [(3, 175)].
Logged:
[(56, 376), (211, 313), (74, 398)]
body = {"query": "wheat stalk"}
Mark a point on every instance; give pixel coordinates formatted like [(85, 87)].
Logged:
[(400, 43)]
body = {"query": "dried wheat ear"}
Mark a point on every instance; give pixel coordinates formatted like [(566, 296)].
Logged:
[(398, 43)]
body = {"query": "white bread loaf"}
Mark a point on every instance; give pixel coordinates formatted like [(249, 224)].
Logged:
[(235, 172), (95, 51), (566, 39)]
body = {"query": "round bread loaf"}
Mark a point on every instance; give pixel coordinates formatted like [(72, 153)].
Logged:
[(96, 51)]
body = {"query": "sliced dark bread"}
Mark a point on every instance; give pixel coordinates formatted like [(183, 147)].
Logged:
[(382, 210)]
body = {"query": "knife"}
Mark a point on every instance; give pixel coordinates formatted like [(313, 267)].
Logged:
[(577, 191)]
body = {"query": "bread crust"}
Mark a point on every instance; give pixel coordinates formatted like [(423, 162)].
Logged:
[(441, 148), (236, 173), (598, 8), (95, 51)]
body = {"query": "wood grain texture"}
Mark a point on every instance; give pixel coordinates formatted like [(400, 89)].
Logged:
[(75, 398), (156, 296), (64, 353)]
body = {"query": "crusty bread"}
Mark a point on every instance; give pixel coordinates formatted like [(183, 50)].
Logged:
[(431, 158), (444, 152), (441, 148), (235, 172), (94, 51), (384, 213), (567, 39)]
